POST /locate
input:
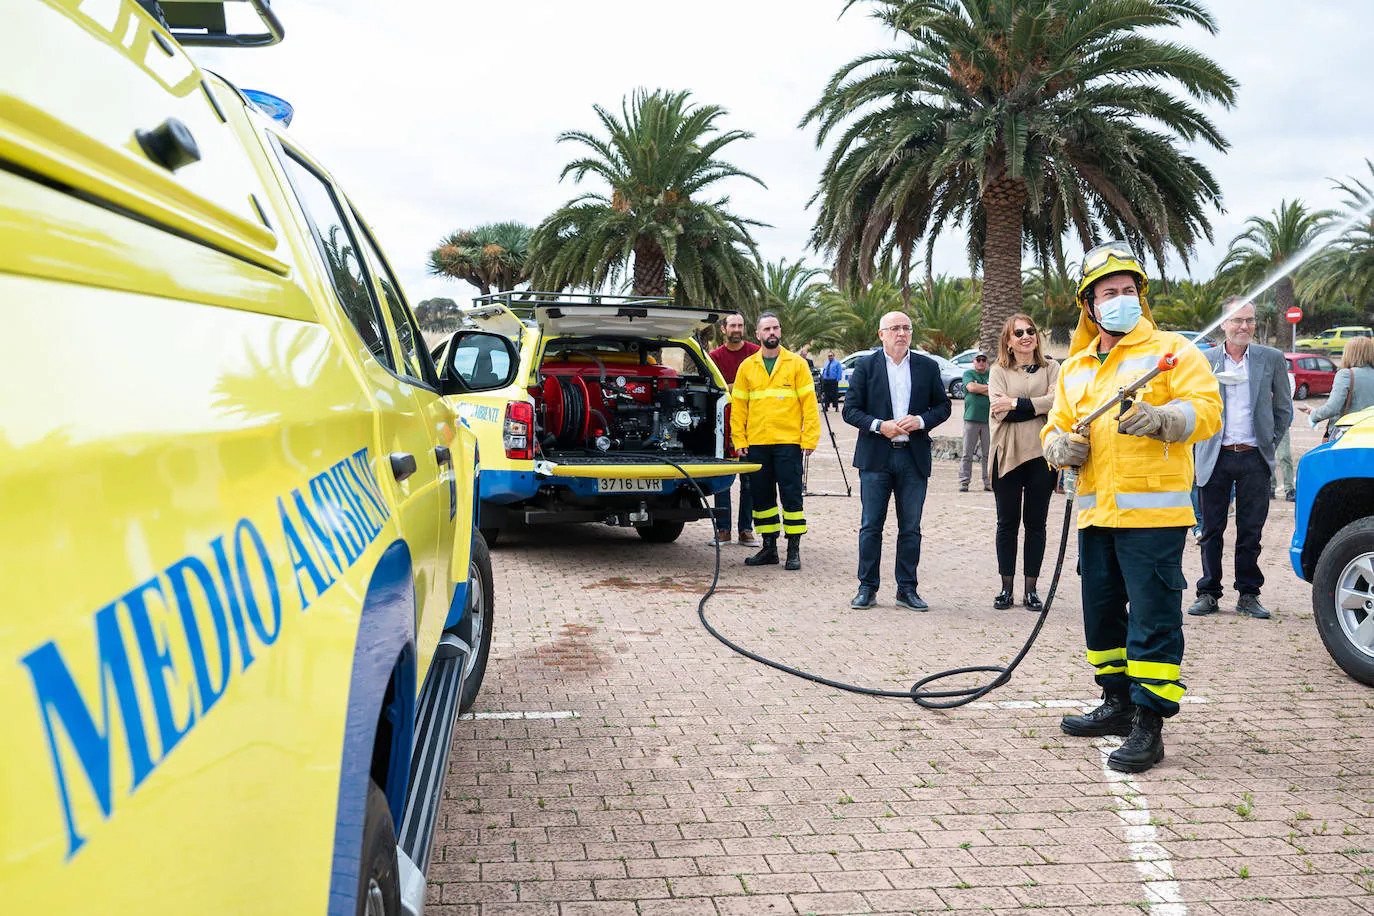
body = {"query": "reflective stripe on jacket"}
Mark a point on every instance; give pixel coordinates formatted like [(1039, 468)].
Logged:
[(1134, 481), (777, 409)]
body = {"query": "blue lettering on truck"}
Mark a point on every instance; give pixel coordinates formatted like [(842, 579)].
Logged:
[(226, 596)]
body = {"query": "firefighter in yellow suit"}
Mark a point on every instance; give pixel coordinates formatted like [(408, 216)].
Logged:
[(1134, 509), (775, 422)]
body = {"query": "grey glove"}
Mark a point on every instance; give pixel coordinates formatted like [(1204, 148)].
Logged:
[(1068, 450), (1165, 423)]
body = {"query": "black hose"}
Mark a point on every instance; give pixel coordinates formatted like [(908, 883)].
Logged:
[(930, 699)]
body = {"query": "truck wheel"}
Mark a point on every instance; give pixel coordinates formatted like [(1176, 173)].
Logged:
[(490, 535), (1343, 599), (1301, 393), (379, 875), (661, 532), (477, 622)]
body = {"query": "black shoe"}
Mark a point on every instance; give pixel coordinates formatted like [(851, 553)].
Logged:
[(907, 598), (1144, 747), (768, 556), (1033, 602), (1291, 496), (1113, 717), (1204, 605), (793, 553), (963, 488), (865, 598), (1003, 600), (1249, 606)]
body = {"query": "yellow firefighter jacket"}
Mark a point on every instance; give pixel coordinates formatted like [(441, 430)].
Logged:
[(777, 409), (1134, 481)]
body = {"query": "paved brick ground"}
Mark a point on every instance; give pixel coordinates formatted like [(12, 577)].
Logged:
[(694, 781)]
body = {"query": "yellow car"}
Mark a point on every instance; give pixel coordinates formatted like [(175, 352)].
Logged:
[(613, 407), (1332, 341), (243, 596)]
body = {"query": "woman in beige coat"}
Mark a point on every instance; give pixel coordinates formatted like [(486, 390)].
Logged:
[(1021, 386)]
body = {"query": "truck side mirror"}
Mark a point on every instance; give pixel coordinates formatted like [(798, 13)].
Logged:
[(478, 361)]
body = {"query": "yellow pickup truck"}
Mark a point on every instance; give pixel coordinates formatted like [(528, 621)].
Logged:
[(244, 599)]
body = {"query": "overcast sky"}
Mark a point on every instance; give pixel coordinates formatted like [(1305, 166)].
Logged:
[(437, 115)]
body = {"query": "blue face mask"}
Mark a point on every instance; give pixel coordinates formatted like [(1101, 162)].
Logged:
[(1119, 315)]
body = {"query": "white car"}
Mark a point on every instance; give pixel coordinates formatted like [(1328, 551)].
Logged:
[(951, 376)]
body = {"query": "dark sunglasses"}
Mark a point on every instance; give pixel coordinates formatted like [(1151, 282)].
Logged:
[(1022, 332)]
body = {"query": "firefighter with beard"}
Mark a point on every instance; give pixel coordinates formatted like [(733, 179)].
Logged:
[(774, 421), (1134, 499)]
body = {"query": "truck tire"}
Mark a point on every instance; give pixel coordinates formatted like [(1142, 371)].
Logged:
[(477, 622), (379, 875), (1343, 599), (661, 532), (490, 535)]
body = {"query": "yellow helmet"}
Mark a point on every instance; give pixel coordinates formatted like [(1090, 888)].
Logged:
[(1107, 259)]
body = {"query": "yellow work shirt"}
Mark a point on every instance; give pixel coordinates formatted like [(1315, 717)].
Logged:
[(1135, 481), (774, 409)]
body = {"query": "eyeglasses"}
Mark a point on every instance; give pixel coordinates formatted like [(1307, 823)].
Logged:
[(1097, 257), (1250, 321), (980, 359), (1023, 332), (899, 328)]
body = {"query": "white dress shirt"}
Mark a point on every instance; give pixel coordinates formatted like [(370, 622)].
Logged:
[(899, 386), (1240, 421)]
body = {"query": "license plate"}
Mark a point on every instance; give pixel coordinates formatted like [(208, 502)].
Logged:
[(627, 485)]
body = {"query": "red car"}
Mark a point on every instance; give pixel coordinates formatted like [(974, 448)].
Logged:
[(1311, 374)]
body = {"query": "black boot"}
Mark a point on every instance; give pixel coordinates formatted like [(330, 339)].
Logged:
[(793, 552), (1144, 747), (768, 556), (1003, 599), (1032, 600), (1113, 717)]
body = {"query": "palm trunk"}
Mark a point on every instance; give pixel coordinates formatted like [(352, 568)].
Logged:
[(651, 269), (1283, 301), (1004, 202)]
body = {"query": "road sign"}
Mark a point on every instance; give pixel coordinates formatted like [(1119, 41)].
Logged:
[(1294, 315)]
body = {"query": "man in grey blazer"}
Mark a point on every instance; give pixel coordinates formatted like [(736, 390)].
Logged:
[(1256, 410)]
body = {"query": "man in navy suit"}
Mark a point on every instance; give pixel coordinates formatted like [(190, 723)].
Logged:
[(896, 397)]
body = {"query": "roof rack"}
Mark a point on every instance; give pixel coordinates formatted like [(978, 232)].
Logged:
[(203, 23), (524, 302)]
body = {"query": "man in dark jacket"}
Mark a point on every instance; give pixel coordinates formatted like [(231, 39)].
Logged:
[(896, 397)]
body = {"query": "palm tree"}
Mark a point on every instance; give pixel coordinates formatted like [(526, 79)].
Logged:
[(945, 314), (1346, 269), (490, 257), (1050, 297), (1018, 120), (1187, 306), (657, 158), (859, 310), (793, 293), (1266, 244)]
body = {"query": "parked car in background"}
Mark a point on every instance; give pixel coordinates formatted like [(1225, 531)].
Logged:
[(1203, 343), (1310, 374), (951, 376), (1333, 541), (1333, 340), (964, 358)]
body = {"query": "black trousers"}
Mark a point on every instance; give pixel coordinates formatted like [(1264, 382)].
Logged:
[(1023, 497), (1139, 650), (830, 393), (1249, 473), (780, 475)]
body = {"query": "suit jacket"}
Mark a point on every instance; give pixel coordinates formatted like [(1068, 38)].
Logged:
[(1271, 407), (869, 398)]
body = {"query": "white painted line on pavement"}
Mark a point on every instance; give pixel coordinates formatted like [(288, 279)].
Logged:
[(1151, 860), (1057, 704), (533, 714)]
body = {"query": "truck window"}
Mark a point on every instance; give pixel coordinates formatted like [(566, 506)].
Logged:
[(340, 254), (408, 337)]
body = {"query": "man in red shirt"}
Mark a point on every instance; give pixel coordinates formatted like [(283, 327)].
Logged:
[(728, 357)]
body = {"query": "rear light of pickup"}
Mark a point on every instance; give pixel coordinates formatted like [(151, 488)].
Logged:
[(518, 430)]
